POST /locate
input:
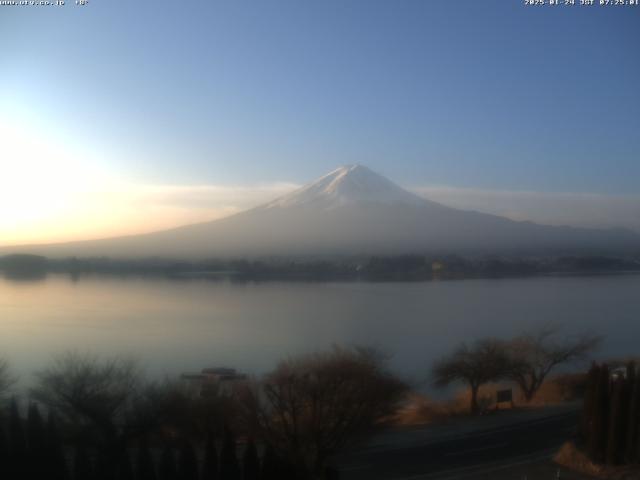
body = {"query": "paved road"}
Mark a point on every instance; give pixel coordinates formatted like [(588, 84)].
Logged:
[(469, 456)]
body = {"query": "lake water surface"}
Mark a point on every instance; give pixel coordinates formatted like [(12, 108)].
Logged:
[(174, 326)]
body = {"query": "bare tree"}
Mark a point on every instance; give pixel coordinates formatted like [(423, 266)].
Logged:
[(86, 389), (6, 379), (96, 397), (533, 356), (476, 364), (315, 405)]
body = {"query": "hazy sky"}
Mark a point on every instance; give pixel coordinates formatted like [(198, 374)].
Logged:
[(125, 116)]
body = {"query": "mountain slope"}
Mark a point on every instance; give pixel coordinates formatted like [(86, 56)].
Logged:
[(352, 211)]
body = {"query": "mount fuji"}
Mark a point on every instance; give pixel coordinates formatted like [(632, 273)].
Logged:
[(351, 211)]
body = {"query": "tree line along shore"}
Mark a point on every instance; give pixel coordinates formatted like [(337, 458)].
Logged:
[(104, 420), (363, 268)]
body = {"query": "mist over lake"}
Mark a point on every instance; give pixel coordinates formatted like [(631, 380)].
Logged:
[(173, 326)]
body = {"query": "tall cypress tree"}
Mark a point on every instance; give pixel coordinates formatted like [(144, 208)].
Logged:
[(36, 433), (37, 443), (633, 419), (631, 372), (125, 471), (586, 426), (168, 469), (250, 462), (82, 465), (106, 463), (598, 444), (275, 467), (229, 468), (331, 473), (210, 467), (637, 446), (56, 460), (18, 446), (617, 433), (146, 469), (188, 462), (4, 455), (270, 470)]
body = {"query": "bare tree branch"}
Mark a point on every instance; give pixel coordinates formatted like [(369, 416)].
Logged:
[(532, 356), (89, 391), (476, 364), (312, 406)]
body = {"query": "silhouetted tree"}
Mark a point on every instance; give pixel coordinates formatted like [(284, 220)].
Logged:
[(145, 468), (270, 463), (482, 362), (634, 415), (19, 462), (107, 462), (313, 406), (275, 467), (534, 355), (37, 444), (56, 460), (600, 428), (617, 435), (229, 469), (82, 465), (331, 473), (586, 427), (210, 467), (168, 469), (5, 467), (250, 462), (98, 396), (125, 470), (90, 391), (6, 379), (188, 462)]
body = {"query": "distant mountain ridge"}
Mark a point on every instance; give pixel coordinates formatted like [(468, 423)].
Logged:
[(351, 211)]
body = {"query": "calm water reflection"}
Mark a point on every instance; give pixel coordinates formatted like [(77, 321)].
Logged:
[(174, 326)]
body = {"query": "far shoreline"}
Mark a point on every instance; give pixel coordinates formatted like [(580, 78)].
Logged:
[(373, 269)]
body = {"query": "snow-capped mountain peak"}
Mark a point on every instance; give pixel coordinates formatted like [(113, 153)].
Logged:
[(351, 211), (347, 185)]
